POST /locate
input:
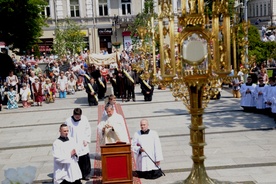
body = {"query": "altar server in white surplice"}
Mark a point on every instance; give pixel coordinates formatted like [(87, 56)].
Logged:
[(80, 132), (66, 168), (112, 127), (145, 144), (273, 103), (268, 95), (259, 95), (247, 95)]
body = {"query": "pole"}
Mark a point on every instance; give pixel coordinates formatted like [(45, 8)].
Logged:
[(271, 12), (154, 162), (246, 37)]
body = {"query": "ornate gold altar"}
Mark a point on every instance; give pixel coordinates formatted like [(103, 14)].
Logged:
[(192, 62)]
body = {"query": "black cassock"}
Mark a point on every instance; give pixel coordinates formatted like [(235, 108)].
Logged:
[(145, 89), (121, 85), (96, 74), (92, 99), (129, 86)]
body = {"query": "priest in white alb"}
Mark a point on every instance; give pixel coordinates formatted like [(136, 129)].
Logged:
[(112, 128)]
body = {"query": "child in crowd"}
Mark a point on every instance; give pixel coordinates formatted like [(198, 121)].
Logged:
[(53, 90), (25, 94)]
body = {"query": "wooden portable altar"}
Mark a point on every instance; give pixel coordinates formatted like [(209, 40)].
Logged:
[(116, 163)]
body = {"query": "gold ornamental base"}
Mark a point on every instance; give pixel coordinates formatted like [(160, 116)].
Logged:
[(198, 175)]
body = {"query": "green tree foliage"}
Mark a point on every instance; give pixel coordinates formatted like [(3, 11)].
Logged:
[(262, 50), (142, 20), (69, 38), (21, 22)]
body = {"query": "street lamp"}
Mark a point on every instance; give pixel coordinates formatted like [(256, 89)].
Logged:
[(115, 25)]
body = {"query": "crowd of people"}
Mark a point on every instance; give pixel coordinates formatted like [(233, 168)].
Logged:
[(30, 85)]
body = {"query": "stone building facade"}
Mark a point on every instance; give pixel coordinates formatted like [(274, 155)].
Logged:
[(104, 21)]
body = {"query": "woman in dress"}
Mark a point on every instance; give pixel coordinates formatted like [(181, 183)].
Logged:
[(12, 103)]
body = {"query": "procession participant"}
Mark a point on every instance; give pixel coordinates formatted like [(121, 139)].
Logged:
[(80, 133), (101, 82), (268, 95), (37, 91), (273, 103), (121, 85), (112, 128), (145, 144), (66, 168), (129, 83), (147, 88), (92, 92), (114, 84), (259, 96), (247, 95)]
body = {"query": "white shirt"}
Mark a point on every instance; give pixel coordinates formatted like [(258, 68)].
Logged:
[(25, 93), (62, 82)]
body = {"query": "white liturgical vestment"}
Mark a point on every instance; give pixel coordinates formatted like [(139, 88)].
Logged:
[(247, 99), (151, 144), (80, 131), (66, 167), (118, 133)]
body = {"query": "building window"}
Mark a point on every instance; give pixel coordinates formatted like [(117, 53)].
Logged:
[(250, 11), (269, 9), (103, 10), (257, 10), (261, 10), (254, 11), (265, 12), (126, 7), (46, 13), (74, 8)]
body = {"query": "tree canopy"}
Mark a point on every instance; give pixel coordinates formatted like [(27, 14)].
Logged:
[(21, 22), (69, 38)]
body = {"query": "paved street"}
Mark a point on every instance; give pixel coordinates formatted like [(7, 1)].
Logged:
[(240, 146)]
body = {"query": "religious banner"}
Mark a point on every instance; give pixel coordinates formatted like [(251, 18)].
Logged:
[(100, 59)]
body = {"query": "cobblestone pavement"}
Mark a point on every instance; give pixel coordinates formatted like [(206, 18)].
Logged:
[(240, 146)]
